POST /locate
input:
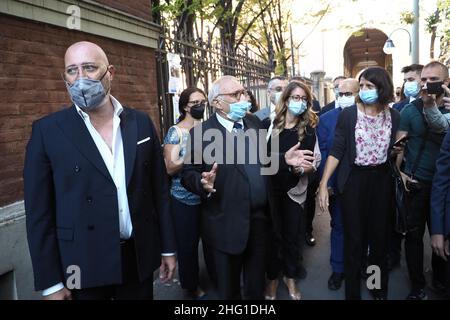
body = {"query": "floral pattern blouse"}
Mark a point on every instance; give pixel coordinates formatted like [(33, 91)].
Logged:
[(372, 135), (176, 189)]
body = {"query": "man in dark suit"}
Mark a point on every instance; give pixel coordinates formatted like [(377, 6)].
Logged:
[(96, 193), (411, 85), (332, 105), (348, 90), (440, 207), (235, 215), (275, 88)]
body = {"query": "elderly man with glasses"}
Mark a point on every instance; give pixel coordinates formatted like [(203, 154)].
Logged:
[(96, 192), (237, 197)]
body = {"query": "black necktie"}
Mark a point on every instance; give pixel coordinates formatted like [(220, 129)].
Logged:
[(237, 126)]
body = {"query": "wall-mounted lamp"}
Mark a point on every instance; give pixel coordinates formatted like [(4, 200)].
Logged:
[(389, 46)]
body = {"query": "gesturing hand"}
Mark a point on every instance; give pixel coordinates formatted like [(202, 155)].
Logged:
[(297, 158), (208, 179)]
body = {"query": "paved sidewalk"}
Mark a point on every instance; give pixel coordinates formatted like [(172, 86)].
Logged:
[(314, 286)]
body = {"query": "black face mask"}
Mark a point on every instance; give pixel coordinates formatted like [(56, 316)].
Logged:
[(197, 111)]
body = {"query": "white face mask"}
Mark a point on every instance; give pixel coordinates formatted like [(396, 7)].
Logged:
[(277, 97), (345, 102)]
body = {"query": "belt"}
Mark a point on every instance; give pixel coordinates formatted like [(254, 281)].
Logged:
[(382, 166)]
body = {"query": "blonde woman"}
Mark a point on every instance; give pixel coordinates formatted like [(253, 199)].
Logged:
[(294, 126)]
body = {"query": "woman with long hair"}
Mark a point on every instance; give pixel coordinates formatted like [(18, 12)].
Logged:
[(364, 137), (184, 204), (294, 127)]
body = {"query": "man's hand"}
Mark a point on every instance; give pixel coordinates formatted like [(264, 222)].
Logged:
[(405, 178), (167, 268), (298, 158), (63, 294), (208, 179), (429, 100), (440, 246), (446, 100)]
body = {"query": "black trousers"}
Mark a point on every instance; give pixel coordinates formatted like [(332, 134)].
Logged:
[(285, 253), (310, 203), (130, 289), (187, 232), (366, 214), (419, 216), (251, 263)]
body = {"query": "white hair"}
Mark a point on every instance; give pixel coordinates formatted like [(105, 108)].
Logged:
[(216, 86)]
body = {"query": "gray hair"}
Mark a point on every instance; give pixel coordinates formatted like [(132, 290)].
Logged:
[(281, 78), (216, 86)]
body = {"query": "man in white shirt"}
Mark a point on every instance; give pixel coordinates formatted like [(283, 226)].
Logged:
[(274, 90), (96, 193)]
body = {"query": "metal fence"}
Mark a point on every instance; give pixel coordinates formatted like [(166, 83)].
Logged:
[(201, 64)]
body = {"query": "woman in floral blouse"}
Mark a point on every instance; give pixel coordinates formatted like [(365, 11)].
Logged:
[(363, 141)]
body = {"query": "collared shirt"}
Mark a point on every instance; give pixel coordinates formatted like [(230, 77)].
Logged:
[(115, 162), (272, 112), (228, 124)]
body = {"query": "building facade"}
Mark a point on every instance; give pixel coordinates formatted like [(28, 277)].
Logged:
[(33, 38)]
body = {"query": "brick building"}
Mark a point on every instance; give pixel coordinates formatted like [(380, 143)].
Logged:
[(33, 38)]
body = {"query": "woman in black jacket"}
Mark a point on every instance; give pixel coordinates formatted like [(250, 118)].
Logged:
[(294, 127), (363, 140)]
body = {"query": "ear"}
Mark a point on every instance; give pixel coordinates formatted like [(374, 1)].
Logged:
[(216, 104), (112, 71)]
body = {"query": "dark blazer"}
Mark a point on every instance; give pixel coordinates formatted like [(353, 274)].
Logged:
[(225, 213), (440, 193), (328, 107), (400, 105), (344, 145), (325, 137), (71, 200)]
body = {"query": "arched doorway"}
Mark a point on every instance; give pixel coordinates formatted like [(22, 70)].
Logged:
[(365, 49)]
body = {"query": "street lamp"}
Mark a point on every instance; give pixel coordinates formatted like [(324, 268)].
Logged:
[(389, 46)]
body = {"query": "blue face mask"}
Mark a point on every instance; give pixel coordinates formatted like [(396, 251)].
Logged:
[(411, 89), (238, 110), (87, 93), (297, 108), (369, 96)]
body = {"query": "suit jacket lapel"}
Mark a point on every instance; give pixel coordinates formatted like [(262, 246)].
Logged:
[(128, 126), (75, 129)]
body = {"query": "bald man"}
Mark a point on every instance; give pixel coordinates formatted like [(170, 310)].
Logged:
[(348, 90), (96, 193)]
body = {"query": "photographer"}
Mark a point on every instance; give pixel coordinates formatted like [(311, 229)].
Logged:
[(420, 154)]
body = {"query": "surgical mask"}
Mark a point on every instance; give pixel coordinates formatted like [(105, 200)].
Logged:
[(297, 108), (197, 111), (369, 96), (411, 89), (238, 110), (277, 97), (345, 102), (87, 93)]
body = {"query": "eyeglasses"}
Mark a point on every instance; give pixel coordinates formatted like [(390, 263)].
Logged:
[(347, 94), (196, 102), (297, 98), (277, 89), (237, 94), (90, 70)]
